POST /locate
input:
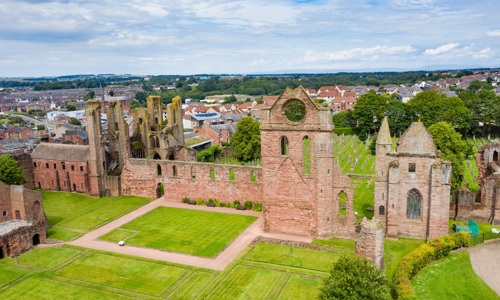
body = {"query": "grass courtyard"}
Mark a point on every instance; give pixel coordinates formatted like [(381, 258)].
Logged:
[(193, 232), (80, 273), (71, 215)]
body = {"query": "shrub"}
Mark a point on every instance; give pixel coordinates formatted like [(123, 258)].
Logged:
[(419, 258), (257, 206), (236, 203), (200, 201), (185, 200), (210, 200), (248, 204), (352, 277)]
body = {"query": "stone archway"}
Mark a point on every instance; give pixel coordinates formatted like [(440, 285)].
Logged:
[(2, 255), (36, 239), (160, 190)]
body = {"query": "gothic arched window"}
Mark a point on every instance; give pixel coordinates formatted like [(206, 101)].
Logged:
[(284, 145), (413, 204)]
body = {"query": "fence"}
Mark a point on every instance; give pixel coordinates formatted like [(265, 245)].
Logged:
[(480, 238)]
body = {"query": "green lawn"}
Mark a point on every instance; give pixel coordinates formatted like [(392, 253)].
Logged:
[(245, 282), (186, 231), (47, 258), (123, 273), (10, 273), (71, 215), (292, 256), (451, 278), (46, 289), (394, 251), (363, 196), (300, 287)]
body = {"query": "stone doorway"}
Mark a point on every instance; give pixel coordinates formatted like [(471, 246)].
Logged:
[(36, 239), (1, 253), (160, 190)]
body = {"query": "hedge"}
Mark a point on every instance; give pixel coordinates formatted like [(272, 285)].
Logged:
[(346, 130), (419, 258)]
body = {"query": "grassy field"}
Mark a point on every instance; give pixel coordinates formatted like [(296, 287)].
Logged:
[(81, 273), (394, 251), (71, 215), (173, 229), (451, 278)]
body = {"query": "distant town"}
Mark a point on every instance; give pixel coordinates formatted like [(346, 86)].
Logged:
[(34, 110)]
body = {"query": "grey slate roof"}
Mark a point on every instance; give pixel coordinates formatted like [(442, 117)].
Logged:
[(77, 153)]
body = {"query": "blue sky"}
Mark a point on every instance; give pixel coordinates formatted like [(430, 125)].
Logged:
[(46, 37)]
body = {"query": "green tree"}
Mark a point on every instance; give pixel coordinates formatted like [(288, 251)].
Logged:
[(484, 106), (354, 278), (452, 148), (10, 171), (210, 154), (70, 107), (369, 111), (141, 97), (398, 116), (74, 121), (246, 140), (343, 119), (40, 127), (111, 93), (432, 107), (90, 95)]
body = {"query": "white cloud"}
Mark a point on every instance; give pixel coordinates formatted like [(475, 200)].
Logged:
[(493, 33), (441, 49), (358, 53)]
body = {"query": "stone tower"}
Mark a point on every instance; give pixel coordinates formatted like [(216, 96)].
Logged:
[(175, 127), (118, 135), (97, 164), (303, 186), (412, 190)]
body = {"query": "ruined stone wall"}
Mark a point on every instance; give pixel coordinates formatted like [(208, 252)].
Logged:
[(58, 176), (112, 185), (370, 242), (96, 163), (24, 160), (5, 204), (190, 179), (20, 240)]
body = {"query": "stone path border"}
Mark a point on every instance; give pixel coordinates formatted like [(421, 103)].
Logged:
[(485, 260), (219, 263)]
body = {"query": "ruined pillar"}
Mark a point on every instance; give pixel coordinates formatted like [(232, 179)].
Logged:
[(370, 242)]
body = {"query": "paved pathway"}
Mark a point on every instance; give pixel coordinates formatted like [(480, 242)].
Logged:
[(221, 261), (485, 260)]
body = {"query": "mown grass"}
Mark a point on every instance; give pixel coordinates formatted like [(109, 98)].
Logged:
[(46, 289), (123, 273), (292, 256), (451, 278), (192, 232), (363, 197), (245, 282), (394, 251), (71, 215), (483, 227), (47, 258), (300, 287)]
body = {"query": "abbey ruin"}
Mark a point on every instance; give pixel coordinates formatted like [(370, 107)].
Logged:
[(299, 183)]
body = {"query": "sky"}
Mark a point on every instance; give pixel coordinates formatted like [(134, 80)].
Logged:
[(62, 37)]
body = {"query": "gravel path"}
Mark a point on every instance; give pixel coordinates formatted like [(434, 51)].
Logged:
[(485, 260), (221, 261)]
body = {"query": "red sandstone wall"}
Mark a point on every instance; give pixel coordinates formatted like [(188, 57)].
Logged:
[(50, 178), (140, 177), (5, 204)]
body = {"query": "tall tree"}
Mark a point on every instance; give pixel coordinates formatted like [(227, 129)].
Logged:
[(354, 278), (343, 119), (452, 148), (369, 111), (484, 106), (246, 140), (10, 171), (432, 107), (398, 116)]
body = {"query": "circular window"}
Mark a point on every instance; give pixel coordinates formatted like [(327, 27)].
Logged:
[(295, 110)]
